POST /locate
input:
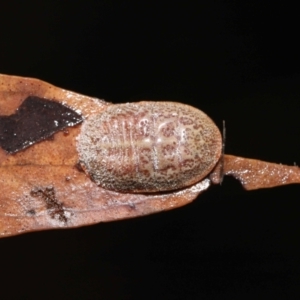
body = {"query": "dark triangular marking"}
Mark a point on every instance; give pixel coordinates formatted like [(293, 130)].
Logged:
[(35, 120)]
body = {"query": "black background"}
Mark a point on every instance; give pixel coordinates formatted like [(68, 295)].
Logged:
[(236, 60)]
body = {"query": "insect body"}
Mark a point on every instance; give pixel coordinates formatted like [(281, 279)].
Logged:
[(149, 146)]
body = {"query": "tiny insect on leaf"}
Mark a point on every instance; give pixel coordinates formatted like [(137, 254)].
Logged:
[(69, 160)]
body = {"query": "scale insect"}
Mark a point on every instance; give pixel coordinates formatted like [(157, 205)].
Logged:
[(68, 160), (149, 147)]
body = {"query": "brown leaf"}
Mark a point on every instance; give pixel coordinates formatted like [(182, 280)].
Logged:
[(42, 186)]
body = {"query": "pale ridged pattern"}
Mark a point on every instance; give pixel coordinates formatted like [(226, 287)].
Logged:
[(149, 146)]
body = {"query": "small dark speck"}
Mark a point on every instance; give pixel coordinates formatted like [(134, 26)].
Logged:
[(31, 212), (79, 167), (54, 207)]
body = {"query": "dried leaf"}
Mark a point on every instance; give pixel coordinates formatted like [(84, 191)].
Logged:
[(42, 186), (45, 184)]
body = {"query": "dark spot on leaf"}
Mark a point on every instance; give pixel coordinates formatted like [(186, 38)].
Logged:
[(78, 166), (31, 212), (35, 120), (54, 207)]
